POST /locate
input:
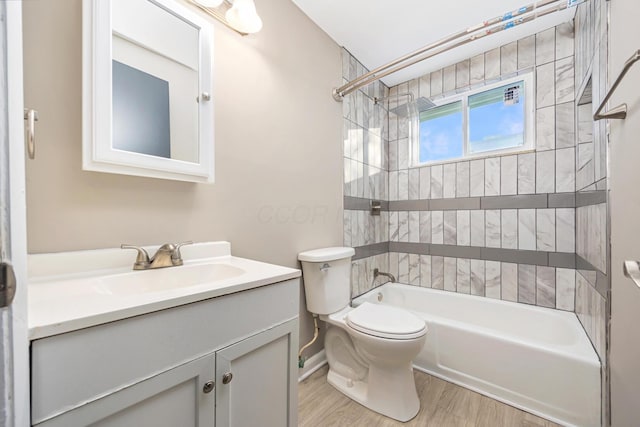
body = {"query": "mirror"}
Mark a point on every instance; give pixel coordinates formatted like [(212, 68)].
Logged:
[(147, 84)]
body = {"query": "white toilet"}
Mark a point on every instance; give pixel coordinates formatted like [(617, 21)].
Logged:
[(370, 348)]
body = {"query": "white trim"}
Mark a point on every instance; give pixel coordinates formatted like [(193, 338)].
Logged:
[(312, 364), (529, 118), (97, 152), (18, 211)]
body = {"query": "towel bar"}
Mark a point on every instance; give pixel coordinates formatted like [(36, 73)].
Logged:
[(619, 112)]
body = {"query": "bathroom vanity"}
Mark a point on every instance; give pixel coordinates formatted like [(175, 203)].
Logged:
[(215, 349)]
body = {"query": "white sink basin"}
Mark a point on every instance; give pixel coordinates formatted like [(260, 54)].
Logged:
[(163, 279)]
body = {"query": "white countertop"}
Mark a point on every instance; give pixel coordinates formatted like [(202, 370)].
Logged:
[(67, 291)]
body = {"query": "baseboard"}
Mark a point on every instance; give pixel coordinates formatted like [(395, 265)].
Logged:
[(312, 364)]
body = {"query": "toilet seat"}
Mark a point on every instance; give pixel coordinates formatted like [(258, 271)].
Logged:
[(386, 322)]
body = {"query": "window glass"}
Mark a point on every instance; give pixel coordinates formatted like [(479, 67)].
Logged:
[(496, 118), (441, 133)]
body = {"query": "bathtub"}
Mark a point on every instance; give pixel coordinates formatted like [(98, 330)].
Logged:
[(536, 359)]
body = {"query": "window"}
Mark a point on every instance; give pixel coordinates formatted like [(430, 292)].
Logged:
[(490, 120)]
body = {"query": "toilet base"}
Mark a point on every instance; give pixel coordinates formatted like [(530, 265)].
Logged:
[(390, 392)]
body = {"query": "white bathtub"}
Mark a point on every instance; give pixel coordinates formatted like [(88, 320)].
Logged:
[(533, 358)]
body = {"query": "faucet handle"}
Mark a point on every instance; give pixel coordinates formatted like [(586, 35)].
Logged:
[(142, 260), (176, 256)]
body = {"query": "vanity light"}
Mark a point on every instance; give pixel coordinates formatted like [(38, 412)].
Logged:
[(244, 17), (239, 15)]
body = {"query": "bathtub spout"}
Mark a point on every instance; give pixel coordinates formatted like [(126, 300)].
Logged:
[(377, 273)]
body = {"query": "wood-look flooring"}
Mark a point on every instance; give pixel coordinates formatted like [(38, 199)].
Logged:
[(443, 404)]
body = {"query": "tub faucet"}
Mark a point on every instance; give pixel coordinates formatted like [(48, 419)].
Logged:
[(167, 255), (377, 273)]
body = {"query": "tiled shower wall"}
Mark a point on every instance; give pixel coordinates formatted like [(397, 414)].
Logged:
[(504, 226), (593, 283), (365, 143)]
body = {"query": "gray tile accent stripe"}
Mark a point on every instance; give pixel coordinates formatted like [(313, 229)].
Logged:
[(370, 250), (515, 202), (550, 259), (562, 200), (587, 198), (522, 201), (360, 204), (409, 205), (596, 278), (463, 203)]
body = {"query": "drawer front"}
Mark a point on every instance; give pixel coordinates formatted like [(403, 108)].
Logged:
[(72, 369)]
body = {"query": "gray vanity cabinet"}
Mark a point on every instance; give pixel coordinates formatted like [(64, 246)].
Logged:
[(172, 398), (226, 361)]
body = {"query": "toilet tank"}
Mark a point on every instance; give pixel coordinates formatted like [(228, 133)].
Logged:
[(327, 278)]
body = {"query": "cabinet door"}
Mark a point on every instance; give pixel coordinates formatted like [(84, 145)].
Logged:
[(256, 380), (177, 397)]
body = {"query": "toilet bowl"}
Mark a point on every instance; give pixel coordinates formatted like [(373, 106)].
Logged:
[(370, 348)]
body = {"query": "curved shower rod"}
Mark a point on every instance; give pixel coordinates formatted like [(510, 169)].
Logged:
[(508, 20)]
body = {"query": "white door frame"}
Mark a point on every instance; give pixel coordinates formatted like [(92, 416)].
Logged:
[(17, 214)]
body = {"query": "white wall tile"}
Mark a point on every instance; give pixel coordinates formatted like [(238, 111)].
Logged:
[(527, 173), (450, 228), (492, 227), (509, 175), (565, 170), (477, 277), (476, 178), (436, 182), (425, 182), (546, 286), (449, 181), (546, 230), (403, 268), (477, 227), (492, 281), (463, 228), (425, 271), (564, 40), (414, 269), (403, 226), (565, 131), (476, 72), (414, 184), (463, 279), (545, 85), (403, 185), (509, 281), (545, 46), (526, 52), (462, 74), (545, 171), (436, 83), (492, 64), (450, 274), (437, 272), (565, 80), (437, 227), (414, 227), (546, 128), (462, 179), (509, 220), (565, 288), (527, 229), (449, 78), (509, 58), (492, 176), (527, 284), (425, 227), (424, 88)]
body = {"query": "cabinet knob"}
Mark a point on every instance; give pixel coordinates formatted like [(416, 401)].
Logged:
[(208, 386), (226, 378)]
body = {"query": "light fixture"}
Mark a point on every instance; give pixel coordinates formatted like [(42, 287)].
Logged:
[(244, 17), (210, 3)]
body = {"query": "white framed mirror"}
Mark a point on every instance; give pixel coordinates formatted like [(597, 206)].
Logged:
[(147, 90)]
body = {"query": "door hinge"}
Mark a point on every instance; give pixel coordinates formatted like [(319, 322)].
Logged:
[(7, 284)]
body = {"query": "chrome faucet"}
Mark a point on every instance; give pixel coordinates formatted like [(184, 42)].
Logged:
[(377, 273), (167, 255)]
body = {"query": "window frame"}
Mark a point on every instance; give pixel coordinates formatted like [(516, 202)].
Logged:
[(529, 122)]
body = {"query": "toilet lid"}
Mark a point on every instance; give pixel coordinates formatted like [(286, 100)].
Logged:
[(385, 321)]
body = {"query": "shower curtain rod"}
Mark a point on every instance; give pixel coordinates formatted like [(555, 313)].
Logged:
[(513, 18)]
